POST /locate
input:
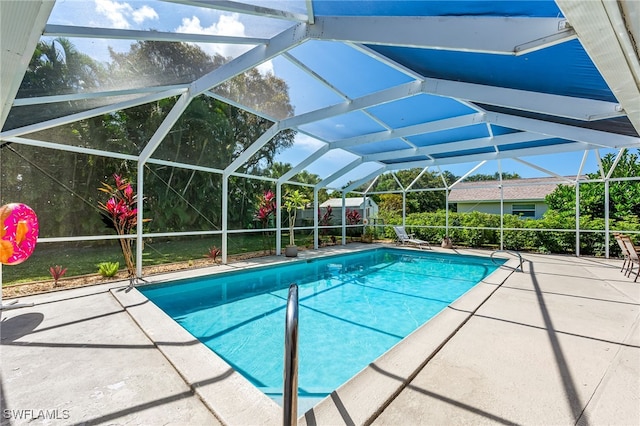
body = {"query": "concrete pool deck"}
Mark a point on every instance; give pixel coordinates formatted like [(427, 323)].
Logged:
[(558, 343)]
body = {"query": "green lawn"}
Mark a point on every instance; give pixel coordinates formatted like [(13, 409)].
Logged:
[(83, 258)]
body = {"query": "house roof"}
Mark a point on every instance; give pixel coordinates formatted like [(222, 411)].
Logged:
[(351, 202), (533, 189)]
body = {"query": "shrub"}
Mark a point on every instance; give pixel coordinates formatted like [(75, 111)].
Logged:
[(108, 269)]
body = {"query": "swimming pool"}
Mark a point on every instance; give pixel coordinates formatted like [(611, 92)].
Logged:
[(353, 308)]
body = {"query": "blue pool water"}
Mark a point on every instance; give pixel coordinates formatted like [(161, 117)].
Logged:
[(352, 309)]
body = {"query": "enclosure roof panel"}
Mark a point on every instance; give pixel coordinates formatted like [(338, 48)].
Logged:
[(396, 84)]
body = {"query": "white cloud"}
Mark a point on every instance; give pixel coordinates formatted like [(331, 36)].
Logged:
[(308, 143), (119, 14), (144, 13), (227, 25)]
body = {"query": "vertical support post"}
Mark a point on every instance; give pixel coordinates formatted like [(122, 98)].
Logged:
[(278, 219), (139, 218), (344, 220), (501, 216), (316, 207), (225, 217), (446, 212), (606, 218), (404, 208), (501, 207), (578, 217)]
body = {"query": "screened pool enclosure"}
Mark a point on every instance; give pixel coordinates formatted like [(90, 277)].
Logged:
[(205, 106)]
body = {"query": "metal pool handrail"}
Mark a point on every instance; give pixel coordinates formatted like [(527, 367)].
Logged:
[(511, 252), (290, 392)]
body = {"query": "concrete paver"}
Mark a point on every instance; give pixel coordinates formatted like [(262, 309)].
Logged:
[(556, 347), (84, 361)]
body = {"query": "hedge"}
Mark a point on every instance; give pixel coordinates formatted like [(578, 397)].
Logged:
[(554, 233)]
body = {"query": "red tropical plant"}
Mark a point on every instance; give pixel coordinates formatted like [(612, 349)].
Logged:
[(326, 218), (266, 208), (353, 216), (213, 253), (266, 211), (57, 272), (120, 212)]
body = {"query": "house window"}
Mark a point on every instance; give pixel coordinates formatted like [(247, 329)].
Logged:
[(524, 210)]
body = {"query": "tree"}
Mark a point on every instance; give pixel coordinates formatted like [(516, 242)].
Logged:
[(210, 133), (496, 176), (624, 196), (62, 184), (417, 200), (391, 203)]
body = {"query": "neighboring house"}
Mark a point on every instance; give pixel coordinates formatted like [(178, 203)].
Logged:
[(524, 197)]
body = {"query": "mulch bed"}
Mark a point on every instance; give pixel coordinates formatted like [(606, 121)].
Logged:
[(24, 289)]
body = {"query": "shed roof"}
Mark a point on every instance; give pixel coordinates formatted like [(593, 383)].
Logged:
[(349, 202)]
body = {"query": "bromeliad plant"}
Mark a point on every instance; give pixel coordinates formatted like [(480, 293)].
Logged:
[(108, 269), (121, 214)]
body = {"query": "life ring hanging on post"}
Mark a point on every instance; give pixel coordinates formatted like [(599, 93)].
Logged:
[(18, 233)]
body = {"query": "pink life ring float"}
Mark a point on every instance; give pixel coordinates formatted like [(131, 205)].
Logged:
[(18, 233)]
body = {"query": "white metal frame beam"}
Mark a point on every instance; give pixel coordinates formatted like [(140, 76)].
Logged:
[(384, 96), (282, 42), (19, 39), (41, 100), (326, 181), (456, 146), (544, 103), (608, 41), (91, 113), (417, 129), (53, 30), (496, 35), (588, 136), (526, 152)]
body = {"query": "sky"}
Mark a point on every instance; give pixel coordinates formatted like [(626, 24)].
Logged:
[(164, 16)]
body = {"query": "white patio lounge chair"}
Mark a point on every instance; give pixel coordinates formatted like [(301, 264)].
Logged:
[(405, 239)]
